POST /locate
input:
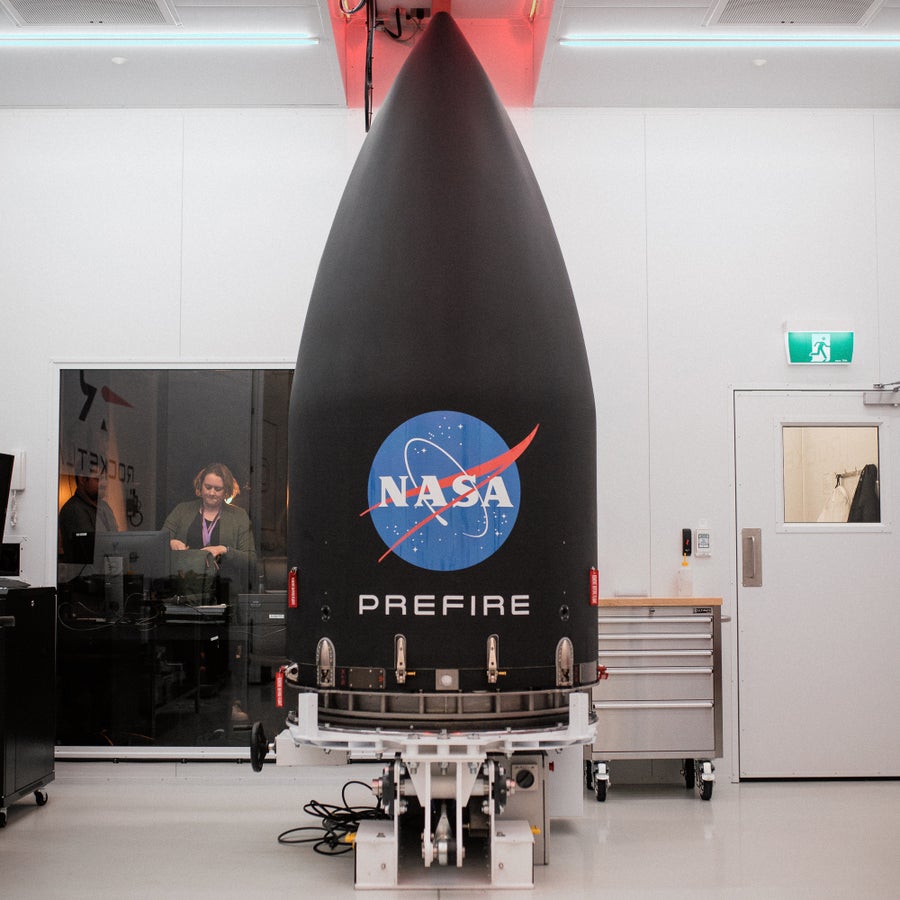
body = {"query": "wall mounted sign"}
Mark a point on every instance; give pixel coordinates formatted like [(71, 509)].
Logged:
[(818, 346)]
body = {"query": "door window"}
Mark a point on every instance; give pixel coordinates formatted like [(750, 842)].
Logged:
[(831, 473)]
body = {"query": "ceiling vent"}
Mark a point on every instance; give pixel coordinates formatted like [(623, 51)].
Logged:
[(798, 12), (91, 12)]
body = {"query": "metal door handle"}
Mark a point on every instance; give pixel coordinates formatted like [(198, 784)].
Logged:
[(751, 557)]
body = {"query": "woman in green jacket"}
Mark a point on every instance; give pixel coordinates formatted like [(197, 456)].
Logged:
[(213, 525)]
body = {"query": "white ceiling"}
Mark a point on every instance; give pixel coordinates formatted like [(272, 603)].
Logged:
[(651, 53)]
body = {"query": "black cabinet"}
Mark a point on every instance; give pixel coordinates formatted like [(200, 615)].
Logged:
[(27, 694)]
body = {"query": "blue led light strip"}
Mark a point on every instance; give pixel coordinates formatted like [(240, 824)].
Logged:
[(159, 40), (645, 42)]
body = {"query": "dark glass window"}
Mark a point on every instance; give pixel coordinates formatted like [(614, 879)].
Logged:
[(172, 568)]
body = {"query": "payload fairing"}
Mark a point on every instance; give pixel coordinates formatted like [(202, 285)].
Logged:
[(442, 518)]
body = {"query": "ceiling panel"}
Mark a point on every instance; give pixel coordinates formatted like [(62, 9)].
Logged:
[(661, 54), (90, 12), (654, 53)]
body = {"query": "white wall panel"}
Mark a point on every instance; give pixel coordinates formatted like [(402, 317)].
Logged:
[(261, 189), (887, 180), (91, 228), (90, 246), (753, 218), (598, 209)]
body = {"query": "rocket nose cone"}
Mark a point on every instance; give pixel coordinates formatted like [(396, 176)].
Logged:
[(439, 26), (442, 386), (443, 18), (441, 74), (447, 226)]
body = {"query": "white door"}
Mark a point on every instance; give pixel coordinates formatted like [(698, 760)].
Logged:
[(819, 637)]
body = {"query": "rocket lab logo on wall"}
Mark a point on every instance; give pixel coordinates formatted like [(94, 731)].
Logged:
[(444, 490)]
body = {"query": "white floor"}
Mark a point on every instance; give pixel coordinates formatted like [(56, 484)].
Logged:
[(173, 830)]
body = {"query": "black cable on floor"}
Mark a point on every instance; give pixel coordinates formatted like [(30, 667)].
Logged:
[(337, 822)]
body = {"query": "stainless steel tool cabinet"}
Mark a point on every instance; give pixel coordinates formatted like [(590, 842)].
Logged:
[(662, 698)]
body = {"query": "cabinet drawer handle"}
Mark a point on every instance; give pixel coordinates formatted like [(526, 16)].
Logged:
[(672, 670), (648, 653), (658, 636), (646, 620), (624, 704)]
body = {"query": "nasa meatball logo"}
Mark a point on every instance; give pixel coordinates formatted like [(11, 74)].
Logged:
[(444, 490)]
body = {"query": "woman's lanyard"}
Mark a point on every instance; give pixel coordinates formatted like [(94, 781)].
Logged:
[(208, 528)]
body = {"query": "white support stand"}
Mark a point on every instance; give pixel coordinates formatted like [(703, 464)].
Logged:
[(376, 855), (435, 767)]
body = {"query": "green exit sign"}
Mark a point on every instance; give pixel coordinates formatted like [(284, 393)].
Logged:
[(819, 348)]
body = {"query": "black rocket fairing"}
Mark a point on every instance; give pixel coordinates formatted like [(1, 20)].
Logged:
[(442, 519)]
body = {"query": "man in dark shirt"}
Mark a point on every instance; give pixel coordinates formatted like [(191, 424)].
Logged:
[(81, 517)]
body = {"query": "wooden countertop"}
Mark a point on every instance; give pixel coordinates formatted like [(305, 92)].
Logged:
[(660, 601)]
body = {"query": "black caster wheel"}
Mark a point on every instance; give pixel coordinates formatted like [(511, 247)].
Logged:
[(706, 789), (689, 773), (40, 797), (259, 746), (600, 790)]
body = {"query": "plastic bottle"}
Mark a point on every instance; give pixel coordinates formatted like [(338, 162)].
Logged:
[(685, 579)]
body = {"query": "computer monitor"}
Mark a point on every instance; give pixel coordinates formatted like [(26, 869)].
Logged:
[(130, 560), (7, 461), (10, 560)]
